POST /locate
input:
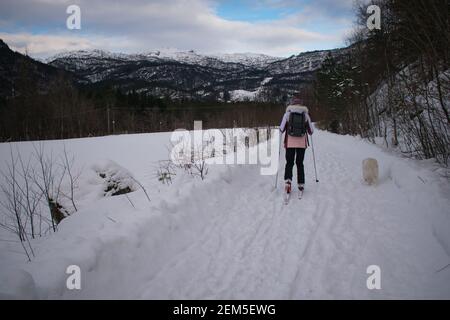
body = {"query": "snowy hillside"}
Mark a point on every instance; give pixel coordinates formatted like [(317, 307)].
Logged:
[(248, 59), (231, 237), (428, 122), (190, 57)]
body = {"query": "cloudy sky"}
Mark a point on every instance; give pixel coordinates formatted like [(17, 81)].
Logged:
[(273, 27)]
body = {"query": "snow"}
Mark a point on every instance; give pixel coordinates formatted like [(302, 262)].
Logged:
[(266, 81), (189, 57), (247, 59), (243, 95), (111, 174), (246, 95), (17, 284), (231, 237)]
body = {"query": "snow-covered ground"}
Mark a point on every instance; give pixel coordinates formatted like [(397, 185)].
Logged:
[(243, 95), (231, 237)]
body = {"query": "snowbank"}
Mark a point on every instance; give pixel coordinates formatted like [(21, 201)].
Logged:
[(231, 237)]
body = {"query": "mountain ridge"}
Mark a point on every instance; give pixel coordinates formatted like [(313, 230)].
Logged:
[(18, 73), (189, 75), (173, 74)]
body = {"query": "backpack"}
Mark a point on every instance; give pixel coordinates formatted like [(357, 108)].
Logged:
[(296, 124)]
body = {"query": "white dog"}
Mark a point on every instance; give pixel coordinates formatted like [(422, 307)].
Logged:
[(370, 170)]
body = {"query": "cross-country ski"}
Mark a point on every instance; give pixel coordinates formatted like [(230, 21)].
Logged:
[(300, 194)]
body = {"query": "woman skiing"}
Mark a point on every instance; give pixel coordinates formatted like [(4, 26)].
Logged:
[(296, 123)]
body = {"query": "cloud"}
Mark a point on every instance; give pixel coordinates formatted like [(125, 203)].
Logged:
[(41, 46), (139, 25)]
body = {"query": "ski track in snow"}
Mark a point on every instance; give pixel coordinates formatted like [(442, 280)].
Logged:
[(259, 248), (235, 239)]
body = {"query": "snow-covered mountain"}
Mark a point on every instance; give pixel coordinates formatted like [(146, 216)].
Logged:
[(188, 57), (191, 75), (192, 57), (248, 59)]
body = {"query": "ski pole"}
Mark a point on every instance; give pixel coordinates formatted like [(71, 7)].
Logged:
[(314, 158), (278, 165)]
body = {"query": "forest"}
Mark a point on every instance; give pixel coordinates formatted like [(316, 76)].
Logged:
[(395, 83)]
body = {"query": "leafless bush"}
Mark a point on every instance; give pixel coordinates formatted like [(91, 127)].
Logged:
[(32, 196), (14, 205), (199, 166), (31, 187), (68, 164), (48, 180), (193, 160), (165, 171), (142, 187)]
